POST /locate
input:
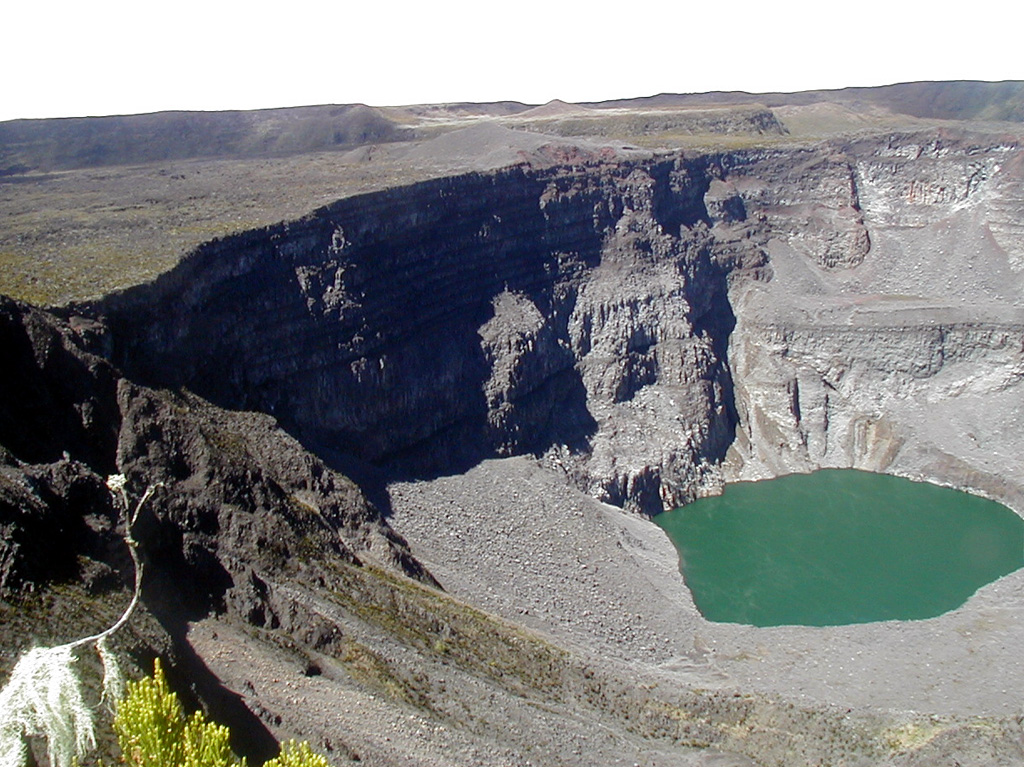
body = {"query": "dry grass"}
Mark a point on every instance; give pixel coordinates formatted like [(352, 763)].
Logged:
[(444, 627), (80, 234)]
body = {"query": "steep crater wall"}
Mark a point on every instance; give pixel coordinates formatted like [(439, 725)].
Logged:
[(577, 312), (909, 359), (596, 314)]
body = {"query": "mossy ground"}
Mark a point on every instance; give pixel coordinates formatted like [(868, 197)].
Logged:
[(455, 632), (75, 235)]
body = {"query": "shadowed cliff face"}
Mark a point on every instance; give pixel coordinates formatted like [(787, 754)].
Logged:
[(237, 499), (652, 328), (578, 312), (586, 313), (240, 512)]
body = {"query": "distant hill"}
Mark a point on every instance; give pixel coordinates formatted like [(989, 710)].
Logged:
[(81, 142), (953, 100), (84, 142)]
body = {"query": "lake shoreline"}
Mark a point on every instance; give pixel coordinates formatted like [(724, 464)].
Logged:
[(513, 537), (841, 546)]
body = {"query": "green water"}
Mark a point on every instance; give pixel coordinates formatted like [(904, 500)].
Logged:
[(840, 546)]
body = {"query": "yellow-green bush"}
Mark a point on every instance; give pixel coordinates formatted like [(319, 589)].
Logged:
[(297, 755), (153, 731)]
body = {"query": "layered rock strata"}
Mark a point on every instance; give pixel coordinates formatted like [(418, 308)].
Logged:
[(651, 328), (584, 314), (579, 312), (910, 360)]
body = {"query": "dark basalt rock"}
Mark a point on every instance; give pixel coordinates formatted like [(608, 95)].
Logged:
[(425, 328), (579, 312), (240, 508), (238, 496), (620, 320)]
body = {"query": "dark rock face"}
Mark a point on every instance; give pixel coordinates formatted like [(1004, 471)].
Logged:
[(49, 515), (578, 312), (242, 511), (240, 500), (582, 312), (57, 400), (431, 326), (650, 328)]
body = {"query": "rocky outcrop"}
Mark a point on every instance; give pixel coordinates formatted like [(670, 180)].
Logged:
[(585, 313), (857, 396), (427, 327), (911, 361), (239, 500), (651, 328), (809, 198), (244, 523)]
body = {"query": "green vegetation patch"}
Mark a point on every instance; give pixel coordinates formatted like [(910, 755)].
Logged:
[(439, 625)]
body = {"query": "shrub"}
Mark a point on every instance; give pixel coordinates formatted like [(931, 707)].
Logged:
[(44, 698), (297, 755), (153, 731)]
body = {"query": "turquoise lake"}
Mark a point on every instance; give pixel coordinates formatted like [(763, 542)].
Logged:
[(840, 546)]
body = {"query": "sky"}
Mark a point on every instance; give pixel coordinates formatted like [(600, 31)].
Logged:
[(96, 57)]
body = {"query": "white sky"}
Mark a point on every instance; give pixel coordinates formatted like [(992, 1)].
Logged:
[(61, 58)]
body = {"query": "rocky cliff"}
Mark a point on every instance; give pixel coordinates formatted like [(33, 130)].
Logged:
[(575, 312), (585, 313), (239, 510), (70, 420), (903, 356), (646, 328)]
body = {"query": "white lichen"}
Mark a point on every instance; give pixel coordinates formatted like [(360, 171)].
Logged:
[(44, 698), (113, 677)]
